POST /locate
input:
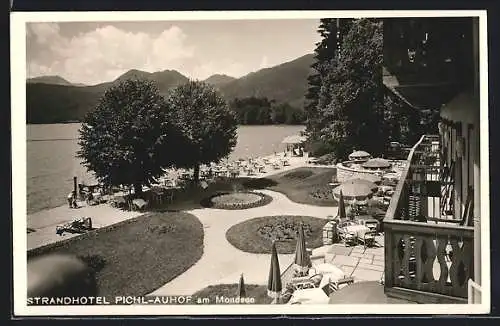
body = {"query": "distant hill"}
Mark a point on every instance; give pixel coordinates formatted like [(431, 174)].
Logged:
[(49, 102), (52, 80), (219, 80), (286, 82)]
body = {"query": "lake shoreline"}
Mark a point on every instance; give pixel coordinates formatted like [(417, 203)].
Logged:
[(51, 161)]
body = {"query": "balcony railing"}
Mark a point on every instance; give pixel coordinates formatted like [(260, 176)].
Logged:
[(428, 254)]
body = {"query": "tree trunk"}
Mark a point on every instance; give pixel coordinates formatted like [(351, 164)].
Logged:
[(138, 189), (196, 174)]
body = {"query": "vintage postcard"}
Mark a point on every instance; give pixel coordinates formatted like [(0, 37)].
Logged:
[(279, 162)]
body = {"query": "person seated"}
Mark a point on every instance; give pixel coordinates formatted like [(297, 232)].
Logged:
[(90, 198)]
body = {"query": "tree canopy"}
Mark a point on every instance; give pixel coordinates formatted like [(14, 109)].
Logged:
[(206, 122), (332, 31), (129, 137), (351, 95)]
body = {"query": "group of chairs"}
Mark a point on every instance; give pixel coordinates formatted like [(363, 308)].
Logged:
[(316, 284), (351, 238), (248, 167)]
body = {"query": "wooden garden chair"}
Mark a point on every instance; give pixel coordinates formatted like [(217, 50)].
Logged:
[(368, 239)]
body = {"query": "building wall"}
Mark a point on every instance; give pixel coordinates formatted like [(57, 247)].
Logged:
[(460, 120)]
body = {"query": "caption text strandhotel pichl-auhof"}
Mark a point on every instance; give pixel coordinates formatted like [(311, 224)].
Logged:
[(136, 300)]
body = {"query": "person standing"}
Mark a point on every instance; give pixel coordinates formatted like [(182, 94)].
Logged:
[(70, 200), (75, 205)]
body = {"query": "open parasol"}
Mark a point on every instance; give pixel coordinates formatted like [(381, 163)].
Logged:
[(369, 177), (353, 190), (363, 181), (357, 155), (376, 163)]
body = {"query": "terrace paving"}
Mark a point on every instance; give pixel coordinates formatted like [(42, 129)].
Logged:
[(356, 261)]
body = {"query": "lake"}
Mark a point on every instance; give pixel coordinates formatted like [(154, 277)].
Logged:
[(51, 161)]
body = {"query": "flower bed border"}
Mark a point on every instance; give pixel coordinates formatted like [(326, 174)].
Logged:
[(264, 200)]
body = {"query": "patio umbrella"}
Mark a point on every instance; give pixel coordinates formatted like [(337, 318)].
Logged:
[(370, 184), (356, 155), (302, 260), (352, 190), (341, 212), (274, 282), (377, 163), (242, 293), (369, 177)]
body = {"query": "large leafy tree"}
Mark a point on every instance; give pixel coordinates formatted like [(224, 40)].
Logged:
[(128, 138), (207, 123), (351, 95)]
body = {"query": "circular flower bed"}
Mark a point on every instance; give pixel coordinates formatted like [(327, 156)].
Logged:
[(237, 200), (256, 235)]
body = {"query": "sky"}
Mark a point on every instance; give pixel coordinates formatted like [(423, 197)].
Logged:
[(95, 52)]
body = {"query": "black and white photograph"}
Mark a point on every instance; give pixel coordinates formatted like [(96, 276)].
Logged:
[(206, 163)]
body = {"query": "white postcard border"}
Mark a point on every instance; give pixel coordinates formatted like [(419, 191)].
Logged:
[(18, 127)]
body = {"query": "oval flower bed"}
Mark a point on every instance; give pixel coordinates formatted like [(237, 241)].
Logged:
[(256, 235), (237, 200)]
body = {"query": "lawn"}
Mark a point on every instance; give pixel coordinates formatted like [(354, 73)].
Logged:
[(256, 293), (256, 235), (307, 185), (301, 185), (137, 256)]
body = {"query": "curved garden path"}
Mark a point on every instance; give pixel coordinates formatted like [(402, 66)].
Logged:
[(222, 262)]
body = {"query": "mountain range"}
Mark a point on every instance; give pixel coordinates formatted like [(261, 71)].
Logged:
[(52, 99)]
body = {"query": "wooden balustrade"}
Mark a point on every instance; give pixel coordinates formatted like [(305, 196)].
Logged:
[(425, 262), (428, 263)]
